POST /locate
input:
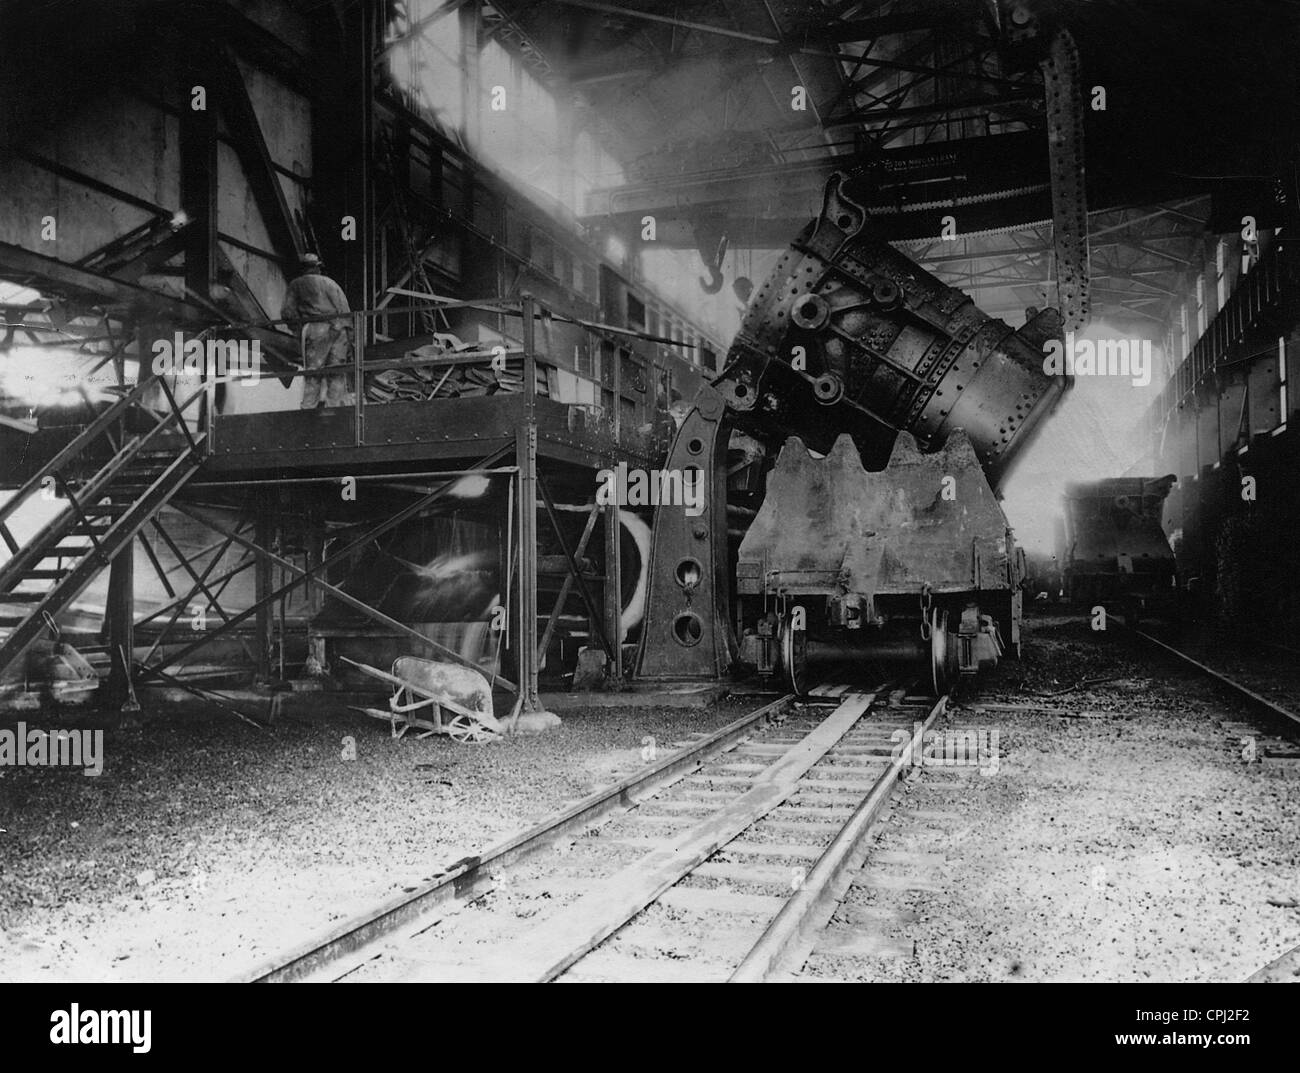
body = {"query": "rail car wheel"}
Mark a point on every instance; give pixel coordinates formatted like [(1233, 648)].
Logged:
[(466, 730), (943, 653), (794, 658)]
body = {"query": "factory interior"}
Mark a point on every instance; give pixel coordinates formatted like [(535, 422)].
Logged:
[(430, 428)]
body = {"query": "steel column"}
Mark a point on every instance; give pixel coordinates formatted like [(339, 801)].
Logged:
[(471, 90), (119, 623), (526, 460), (614, 587), (526, 463), (199, 172), (264, 536)]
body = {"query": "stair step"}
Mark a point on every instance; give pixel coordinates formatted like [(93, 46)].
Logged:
[(83, 532), (68, 550)]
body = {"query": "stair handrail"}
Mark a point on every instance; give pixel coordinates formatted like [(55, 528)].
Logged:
[(93, 489), (119, 533), (92, 432), (75, 446)]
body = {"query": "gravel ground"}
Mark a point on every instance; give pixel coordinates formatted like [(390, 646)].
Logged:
[(207, 846), (1132, 844), (1126, 840)]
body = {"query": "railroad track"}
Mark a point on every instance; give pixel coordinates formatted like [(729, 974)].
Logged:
[(721, 860), (1287, 719)]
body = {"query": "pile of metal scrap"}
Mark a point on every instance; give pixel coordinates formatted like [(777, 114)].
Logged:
[(445, 377)]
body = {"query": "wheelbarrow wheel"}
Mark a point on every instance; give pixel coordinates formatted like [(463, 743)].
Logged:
[(466, 730)]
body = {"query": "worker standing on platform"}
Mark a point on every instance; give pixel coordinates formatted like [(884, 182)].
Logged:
[(324, 342)]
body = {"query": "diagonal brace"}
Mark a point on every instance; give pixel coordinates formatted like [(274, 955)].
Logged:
[(575, 571), (304, 575), (566, 586)]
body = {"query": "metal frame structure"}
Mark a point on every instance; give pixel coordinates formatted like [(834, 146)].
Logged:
[(517, 422), (898, 90), (864, 72)]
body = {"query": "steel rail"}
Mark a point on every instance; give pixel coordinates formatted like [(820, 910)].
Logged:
[(787, 941), (1249, 694), (465, 877)]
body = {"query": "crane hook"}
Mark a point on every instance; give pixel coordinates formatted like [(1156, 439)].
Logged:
[(713, 284), (713, 263)]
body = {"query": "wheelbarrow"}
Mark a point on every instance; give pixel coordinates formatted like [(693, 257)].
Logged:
[(428, 686)]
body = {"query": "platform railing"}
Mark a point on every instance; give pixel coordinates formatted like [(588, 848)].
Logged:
[(607, 346)]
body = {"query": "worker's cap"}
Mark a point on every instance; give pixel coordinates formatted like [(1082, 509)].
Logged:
[(309, 260)]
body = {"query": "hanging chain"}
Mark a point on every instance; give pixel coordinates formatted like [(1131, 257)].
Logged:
[(926, 601)]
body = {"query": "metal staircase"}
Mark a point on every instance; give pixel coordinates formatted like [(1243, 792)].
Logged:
[(110, 480)]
